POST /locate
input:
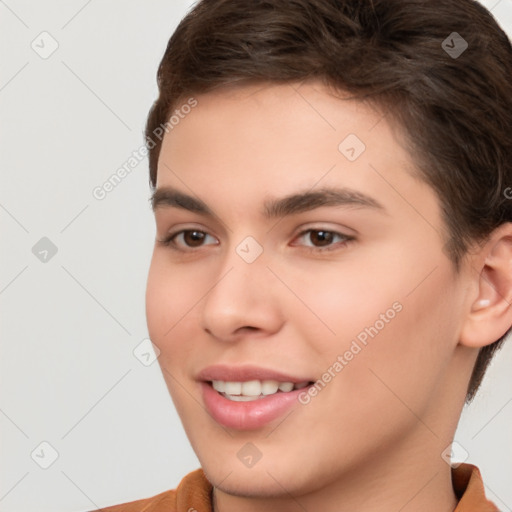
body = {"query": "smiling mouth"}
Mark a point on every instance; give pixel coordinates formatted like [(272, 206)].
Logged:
[(254, 389)]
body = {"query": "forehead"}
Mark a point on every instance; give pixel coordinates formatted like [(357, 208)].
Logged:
[(246, 143), (288, 118), (277, 127)]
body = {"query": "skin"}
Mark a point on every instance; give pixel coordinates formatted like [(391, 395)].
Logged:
[(372, 438)]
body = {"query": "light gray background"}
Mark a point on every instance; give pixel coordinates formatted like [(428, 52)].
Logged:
[(69, 325)]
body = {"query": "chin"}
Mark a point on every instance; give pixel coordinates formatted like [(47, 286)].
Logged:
[(264, 480), (251, 485)]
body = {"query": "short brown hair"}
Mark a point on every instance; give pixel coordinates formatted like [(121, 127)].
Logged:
[(455, 111)]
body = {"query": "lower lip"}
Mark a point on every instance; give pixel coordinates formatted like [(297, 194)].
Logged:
[(247, 415)]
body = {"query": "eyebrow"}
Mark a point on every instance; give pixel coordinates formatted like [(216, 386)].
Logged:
[(273, 208)]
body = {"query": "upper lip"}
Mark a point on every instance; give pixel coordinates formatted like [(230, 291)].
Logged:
[(244, 373)]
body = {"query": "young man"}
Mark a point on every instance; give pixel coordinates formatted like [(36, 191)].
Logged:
[(332, 270)]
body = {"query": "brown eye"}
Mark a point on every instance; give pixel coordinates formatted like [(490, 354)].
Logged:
[(187, 239), (193, 238), (321, 238)]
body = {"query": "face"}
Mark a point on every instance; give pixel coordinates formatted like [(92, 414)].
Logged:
[(306, 253)]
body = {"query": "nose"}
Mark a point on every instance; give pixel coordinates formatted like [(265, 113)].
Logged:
[(241, 301)]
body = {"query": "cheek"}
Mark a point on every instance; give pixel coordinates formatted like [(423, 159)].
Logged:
[(394, 317), (170, 298), (401, 361), (159, 301), (170, 301), (340, 301)]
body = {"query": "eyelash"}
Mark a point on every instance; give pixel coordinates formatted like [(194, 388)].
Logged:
[(170, 242)]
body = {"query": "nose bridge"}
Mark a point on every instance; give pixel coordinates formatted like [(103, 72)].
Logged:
[(242, 271), (240, 295)]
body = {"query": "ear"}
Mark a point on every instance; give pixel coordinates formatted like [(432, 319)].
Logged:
[(490, 314)]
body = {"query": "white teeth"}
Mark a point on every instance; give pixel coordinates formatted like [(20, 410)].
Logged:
[(218, 385), (241, 398), (269, 387), (233, 388), (254, 389), (250, 388), (286, 386)]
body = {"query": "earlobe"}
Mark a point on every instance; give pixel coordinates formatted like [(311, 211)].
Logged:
[(490, 314)]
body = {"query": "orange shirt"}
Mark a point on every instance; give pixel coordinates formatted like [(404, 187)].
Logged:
[(194, 494)]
